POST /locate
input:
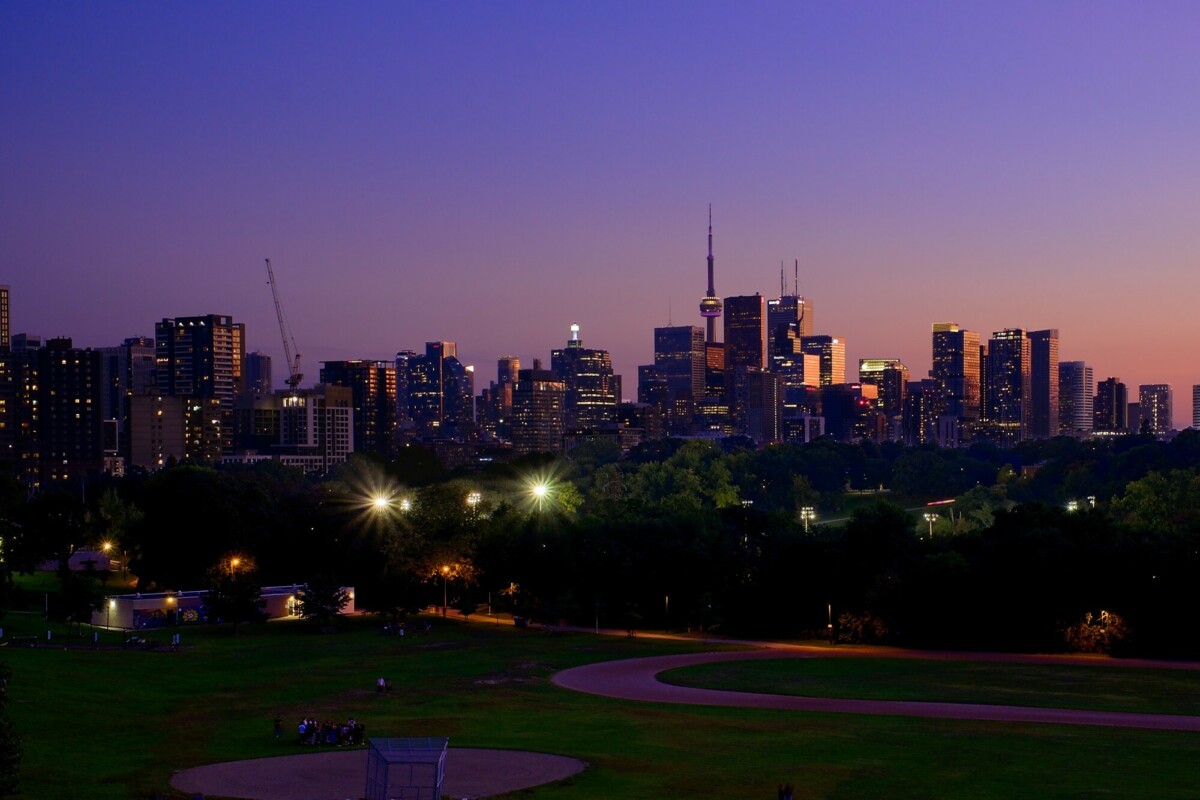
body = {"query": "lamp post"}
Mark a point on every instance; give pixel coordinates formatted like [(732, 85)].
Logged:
[(445, 581), (807, 514), (234, 563), (931, 518)]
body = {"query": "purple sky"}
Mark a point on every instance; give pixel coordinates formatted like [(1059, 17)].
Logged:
[(490, 173)]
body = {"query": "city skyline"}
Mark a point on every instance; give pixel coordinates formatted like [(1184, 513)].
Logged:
[(435, 173)]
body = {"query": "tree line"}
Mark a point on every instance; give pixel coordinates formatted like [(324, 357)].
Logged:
[(1053, 545)]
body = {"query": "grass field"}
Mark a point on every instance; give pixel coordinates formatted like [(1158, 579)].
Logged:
[(1102, 688), (111, 723)]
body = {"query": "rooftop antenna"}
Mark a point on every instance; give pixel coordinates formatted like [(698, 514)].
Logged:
[(782, 291)]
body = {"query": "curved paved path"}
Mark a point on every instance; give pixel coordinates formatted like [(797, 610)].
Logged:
[(636, 679)]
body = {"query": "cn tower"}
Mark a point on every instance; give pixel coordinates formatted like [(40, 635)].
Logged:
[(710, 306)]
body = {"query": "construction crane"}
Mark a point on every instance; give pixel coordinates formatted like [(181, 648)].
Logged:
[(289, 341)]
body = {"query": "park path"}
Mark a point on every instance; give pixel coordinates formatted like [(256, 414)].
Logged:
[(636, 679)]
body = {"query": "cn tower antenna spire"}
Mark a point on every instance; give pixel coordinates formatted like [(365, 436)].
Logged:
[(710, 306)]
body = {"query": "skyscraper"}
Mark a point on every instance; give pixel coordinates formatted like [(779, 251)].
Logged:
[(59, 398), (1196, 406), (127, 370), (745, 349), (258, 373), (441, 392), (679, 355), (957, 371), (5, 341), (1043, 383), (1157, 404), (832, 353), (891, 378), (591, 391), (200, 357), (1111, 407), (1009, 386), (373, 393), (538, 416), (1075, 398)]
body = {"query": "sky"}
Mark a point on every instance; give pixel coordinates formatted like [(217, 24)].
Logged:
[(489, 173)]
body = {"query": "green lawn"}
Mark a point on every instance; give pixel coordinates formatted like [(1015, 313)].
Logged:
[(1102, 688), (111, 723)]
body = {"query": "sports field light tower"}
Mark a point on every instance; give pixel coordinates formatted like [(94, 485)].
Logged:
[(289, 341)]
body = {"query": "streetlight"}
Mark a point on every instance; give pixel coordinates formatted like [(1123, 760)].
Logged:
[(539, 492), (1092, 500), (380, 503), (931, 518), (473, 499), (445, 580), (807, 514), (406, 504), (234, 563), (1072, 505)]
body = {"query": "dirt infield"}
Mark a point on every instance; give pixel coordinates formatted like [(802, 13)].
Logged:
[(342, 775)]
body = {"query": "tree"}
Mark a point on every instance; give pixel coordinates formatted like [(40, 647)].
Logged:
[(81, 595), (234, 593), (322, 599), (10, 742)]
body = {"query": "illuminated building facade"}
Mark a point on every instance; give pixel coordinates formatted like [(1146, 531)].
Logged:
[(1076, 394), (1157, 404), (591, 388), (890, 377), (1196, 406), (539, 412), (1009, 408), (59, 432), (373, 395), (441, 393), (831, 350), (957, 371)]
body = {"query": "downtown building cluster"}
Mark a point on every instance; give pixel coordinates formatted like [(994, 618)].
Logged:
[(192, 394)]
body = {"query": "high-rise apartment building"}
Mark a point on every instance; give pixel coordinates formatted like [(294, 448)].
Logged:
[(1043, 383), (1196, 406), (373, 393), (310, 429), (1157, 404), (1111, 407), (538, 415), (200, 357), (59, 434), (5, 333), (591, 388), (258, 373), (831, 350), (173, 428), (1076, 394), (957, 372), (1009, 407)]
